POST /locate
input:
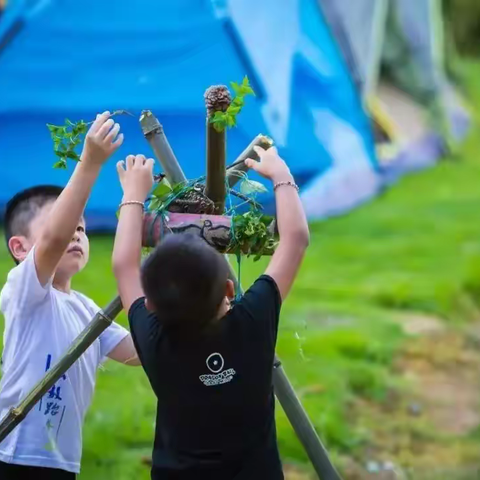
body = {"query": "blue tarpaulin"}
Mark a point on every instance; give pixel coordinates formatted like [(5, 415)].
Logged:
[(71, 59)]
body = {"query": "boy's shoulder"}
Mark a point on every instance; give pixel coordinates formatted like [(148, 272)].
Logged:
[(86, 301)]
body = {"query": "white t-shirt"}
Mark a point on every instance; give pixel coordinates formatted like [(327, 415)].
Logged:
[(40, 325)]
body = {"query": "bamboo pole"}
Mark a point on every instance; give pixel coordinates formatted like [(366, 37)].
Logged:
[(235, 170), (216, 230), (302, 425), (153, 131), (217, 99), (95, 328)]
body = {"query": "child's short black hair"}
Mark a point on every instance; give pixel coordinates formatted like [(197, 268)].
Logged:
[(184, 279), (24, 206)]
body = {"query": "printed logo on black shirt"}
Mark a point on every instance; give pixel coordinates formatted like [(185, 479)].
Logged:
[(215, 364)]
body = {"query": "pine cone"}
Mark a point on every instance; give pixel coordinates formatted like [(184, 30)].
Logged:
[(217, 97)]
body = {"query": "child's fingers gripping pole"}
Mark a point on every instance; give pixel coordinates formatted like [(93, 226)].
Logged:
[(252, 164), (104, 129), (99, 121), (112, 134)]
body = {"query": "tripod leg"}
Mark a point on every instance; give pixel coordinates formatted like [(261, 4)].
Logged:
[(96, 327), (302, 425)]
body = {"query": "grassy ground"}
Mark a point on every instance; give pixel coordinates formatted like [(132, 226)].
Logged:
[(370, 278)]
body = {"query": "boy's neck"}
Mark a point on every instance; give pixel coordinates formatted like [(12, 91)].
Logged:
[(63, 284), (224, 308)]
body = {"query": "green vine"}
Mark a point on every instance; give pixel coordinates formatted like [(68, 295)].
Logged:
[(250, 231), (251, 235), (224, 120), (67, 137)]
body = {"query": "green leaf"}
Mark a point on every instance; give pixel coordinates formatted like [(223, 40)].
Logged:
[(231, 121), (155, 204), (222, 120), (249, 187), (219, 115), (73, 156), (69, 123), (219, 127), (246, 90), (53, 128), (236, 87), (61, 164), (245, 81), (233, 110), (162, 190), (238, 102)]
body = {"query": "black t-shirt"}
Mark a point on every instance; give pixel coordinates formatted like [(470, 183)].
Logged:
[(215, 410)]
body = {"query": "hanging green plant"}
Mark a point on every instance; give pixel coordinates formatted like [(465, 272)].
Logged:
[(251, 234), (222, 120)]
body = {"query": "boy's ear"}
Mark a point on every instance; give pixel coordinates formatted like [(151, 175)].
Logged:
[(19, 246), (230, 291)]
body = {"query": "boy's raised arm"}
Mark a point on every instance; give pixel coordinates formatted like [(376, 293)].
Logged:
[(292, 223), (65, 215), (136, 177)]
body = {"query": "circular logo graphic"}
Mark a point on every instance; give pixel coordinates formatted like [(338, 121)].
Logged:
[(215, 362)]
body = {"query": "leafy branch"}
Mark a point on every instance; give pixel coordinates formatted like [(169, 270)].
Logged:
[(67, 137), (228, 118)]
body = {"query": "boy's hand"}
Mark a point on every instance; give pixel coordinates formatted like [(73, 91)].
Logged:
[(270, 166), (100, 141), (136, 177)]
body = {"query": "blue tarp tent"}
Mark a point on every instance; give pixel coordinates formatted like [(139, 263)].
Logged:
[(70, 59)]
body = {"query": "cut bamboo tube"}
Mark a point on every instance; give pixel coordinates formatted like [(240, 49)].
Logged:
[(234, 171), (217, 99), (153, 131)]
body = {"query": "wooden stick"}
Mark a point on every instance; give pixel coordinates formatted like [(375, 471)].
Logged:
[(215, 188), (153, 131), (234, 171), (95, 328), (217, 99)]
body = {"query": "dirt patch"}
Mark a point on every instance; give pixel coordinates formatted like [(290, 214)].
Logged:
[(295, 473), (420, 324), (444, 372), (424, 425)]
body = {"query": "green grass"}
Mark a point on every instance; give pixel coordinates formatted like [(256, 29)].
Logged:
[(415, 248)]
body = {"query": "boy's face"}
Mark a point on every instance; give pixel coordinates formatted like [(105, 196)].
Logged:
[(76, 255)]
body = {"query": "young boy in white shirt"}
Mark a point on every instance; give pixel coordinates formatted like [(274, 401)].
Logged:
[(45, 232)]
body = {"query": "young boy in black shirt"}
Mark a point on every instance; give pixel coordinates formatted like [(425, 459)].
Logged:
[(209, 365)]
